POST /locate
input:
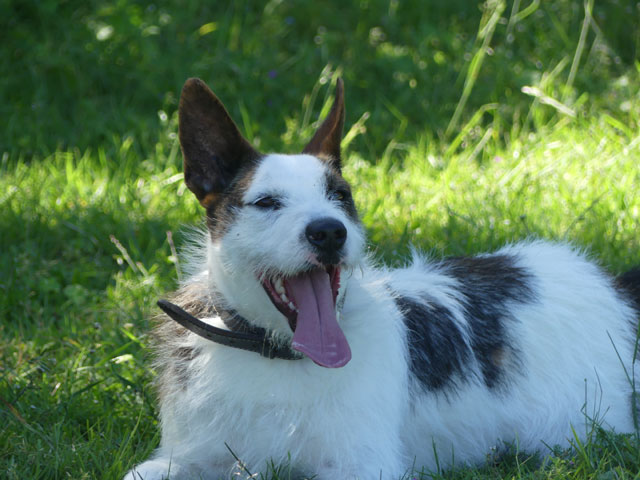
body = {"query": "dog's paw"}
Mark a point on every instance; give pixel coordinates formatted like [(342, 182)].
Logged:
[(158, 469)]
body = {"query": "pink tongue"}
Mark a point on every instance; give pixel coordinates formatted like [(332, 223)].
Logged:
[(317, 334)]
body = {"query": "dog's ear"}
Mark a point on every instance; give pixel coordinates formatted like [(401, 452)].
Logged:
[(326, 141), (213, 148)]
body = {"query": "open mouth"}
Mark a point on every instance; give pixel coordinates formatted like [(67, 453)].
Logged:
[(308, 302)]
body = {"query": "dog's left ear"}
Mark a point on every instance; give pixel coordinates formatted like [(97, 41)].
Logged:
[(326, 141), (213, 148)]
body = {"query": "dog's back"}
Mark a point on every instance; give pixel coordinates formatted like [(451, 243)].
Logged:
[(517, 347)]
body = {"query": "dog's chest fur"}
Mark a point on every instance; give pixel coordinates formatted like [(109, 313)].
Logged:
[(443, 360)]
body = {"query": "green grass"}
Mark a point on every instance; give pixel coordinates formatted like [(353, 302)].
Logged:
[(469, 125)]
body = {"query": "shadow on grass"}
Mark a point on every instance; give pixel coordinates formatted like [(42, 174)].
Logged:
[(105, 69)]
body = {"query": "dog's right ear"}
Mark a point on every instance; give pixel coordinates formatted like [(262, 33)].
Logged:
[(326, 141), (213, 148)]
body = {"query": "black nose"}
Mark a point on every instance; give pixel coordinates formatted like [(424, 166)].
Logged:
[(327, 235)]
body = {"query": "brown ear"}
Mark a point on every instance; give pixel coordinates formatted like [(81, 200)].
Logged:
[(326, 141), (212, 146)]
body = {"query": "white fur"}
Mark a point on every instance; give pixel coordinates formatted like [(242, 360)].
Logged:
[(371, 419)]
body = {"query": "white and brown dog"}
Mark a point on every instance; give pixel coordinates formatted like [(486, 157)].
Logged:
[(298, 351)]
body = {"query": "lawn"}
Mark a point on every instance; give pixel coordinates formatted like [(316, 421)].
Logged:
[(469, 125)]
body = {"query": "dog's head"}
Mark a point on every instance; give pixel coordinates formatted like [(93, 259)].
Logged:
[(284, 228)]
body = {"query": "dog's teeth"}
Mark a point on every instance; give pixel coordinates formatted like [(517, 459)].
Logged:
[(284, 298), (292, 306), (278, 286)]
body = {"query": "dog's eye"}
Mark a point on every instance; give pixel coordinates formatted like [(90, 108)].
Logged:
[(267, 203), (339, 195)]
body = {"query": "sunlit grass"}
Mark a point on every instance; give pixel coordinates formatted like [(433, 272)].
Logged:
[(570, 185), (544, 143)]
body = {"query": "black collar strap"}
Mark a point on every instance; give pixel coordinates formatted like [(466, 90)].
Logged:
[(252, 339)]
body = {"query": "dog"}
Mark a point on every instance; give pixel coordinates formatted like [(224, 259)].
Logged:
[(289, 346)]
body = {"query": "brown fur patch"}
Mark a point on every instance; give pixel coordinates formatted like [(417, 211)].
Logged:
[(173, 353), (335, 182), (222, 211), (209, 200), (499, 357)]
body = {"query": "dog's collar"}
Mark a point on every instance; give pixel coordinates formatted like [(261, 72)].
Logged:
[(242, 335)]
